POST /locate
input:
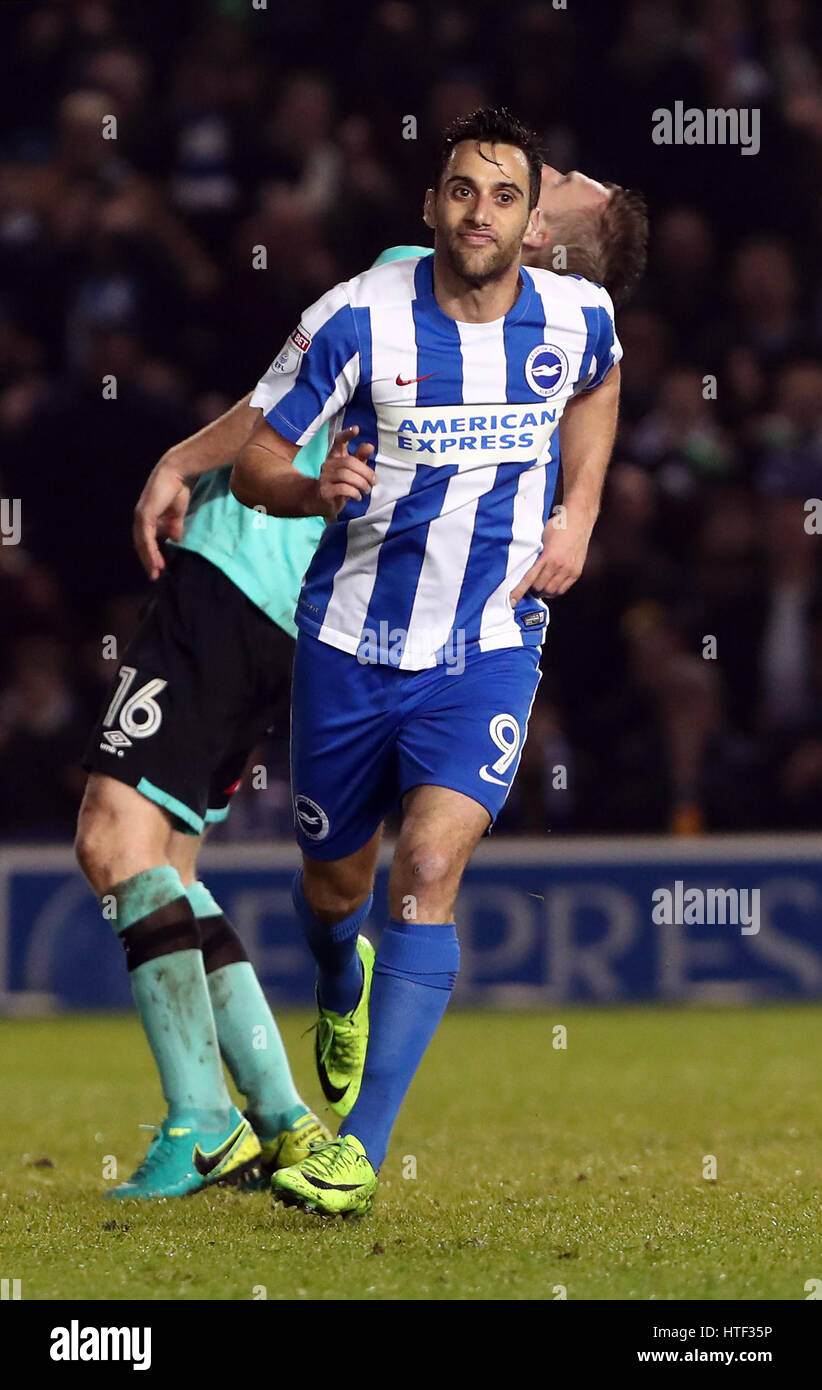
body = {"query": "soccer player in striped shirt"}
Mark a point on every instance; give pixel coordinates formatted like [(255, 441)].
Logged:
[(148, 804), (420, 618)]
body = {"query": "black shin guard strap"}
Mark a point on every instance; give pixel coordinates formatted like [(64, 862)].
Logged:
[(168, 929), (221, 944)]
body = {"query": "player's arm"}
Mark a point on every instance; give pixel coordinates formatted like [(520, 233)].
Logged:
[(587, 431), (308, 385), (162, 505), (264, 475)]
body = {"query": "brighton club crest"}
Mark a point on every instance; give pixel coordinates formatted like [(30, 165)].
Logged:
[(546, 369)]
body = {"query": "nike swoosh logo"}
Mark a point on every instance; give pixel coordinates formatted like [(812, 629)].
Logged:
[(206, 1163), (332, 1186), (412, 379), (489, 777), (331, 1092)]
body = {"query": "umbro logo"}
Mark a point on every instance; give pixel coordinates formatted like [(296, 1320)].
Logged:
[(116, 738)]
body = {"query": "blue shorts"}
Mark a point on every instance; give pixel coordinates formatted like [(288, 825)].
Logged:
[(362, 735)]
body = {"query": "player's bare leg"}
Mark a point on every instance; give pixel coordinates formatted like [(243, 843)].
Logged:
[(183, 852), (119, 833), (338, 887), (440, 831)]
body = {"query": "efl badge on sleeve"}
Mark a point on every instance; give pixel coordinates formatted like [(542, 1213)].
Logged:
[(291, 355)]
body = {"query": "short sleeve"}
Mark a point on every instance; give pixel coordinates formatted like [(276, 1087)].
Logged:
[(603, 349), (316, 373)]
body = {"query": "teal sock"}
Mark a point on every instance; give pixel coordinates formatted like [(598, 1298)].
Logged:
[(162, 943), (249, 1038)]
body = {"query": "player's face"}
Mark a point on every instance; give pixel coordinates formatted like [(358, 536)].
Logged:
[(574, 192), (480, 210), (561, 194)]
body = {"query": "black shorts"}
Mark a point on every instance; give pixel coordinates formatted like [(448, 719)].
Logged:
[(205, 676)]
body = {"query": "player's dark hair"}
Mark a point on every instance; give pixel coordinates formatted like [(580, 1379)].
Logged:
[(493, 125), (608, 246)]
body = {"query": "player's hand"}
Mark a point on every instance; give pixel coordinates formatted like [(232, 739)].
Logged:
[(343, 475), (159, 515), (564, 549)]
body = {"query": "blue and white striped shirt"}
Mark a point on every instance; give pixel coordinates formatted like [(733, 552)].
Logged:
[(463, 417)]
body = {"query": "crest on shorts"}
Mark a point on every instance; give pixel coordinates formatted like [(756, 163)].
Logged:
[(311, 818)]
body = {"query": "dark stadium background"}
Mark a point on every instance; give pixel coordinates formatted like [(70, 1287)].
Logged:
[(284, 127), (616, 1107)]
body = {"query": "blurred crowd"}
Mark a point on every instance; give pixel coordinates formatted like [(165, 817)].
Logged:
[(683, 672)]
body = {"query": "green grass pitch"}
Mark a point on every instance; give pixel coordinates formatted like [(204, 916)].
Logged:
[(540, 1172)]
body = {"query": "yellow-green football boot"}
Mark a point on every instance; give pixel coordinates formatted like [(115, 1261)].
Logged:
[(335, 1180), (286, 1148), (342, 1040), (182, 1159), (293, 1145)]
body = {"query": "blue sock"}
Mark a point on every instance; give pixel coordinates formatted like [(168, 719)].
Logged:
[(334, 948), (414, 974)]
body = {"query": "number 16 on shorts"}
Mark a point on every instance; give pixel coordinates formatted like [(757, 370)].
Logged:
[(139, 714)]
